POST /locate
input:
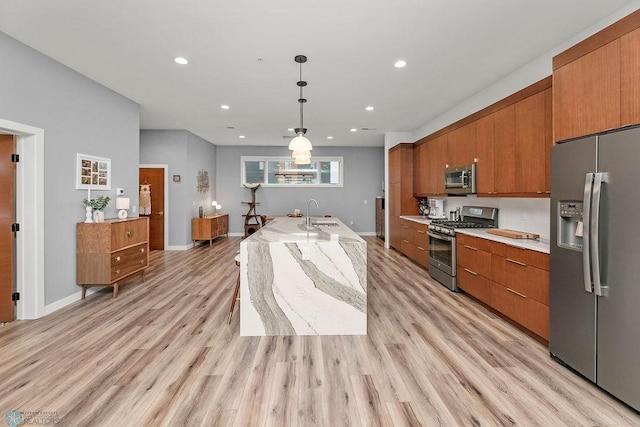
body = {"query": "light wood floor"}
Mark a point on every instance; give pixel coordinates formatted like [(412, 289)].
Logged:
[(161, 354)]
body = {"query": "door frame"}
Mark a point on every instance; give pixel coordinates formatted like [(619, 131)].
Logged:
[(166, 197), (30, 215)]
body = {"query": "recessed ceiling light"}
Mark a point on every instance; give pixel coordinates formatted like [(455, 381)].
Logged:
[(241, 137), (354, 130), (182, 61), (369, 108), (224, 106), (329, 137), (400, 64)]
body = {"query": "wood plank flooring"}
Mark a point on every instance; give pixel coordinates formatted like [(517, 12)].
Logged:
[(162, 354)]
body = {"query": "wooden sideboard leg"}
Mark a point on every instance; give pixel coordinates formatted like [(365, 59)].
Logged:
[(115, 290), (84, 291)]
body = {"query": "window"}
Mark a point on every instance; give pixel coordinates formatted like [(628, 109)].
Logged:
[(281, 171)]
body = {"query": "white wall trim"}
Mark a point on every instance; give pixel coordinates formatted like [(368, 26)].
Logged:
[(179, 247), (50, 308), (30, 216), (166, 198)]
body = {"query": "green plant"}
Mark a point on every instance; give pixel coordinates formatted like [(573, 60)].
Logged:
[(99, 203)]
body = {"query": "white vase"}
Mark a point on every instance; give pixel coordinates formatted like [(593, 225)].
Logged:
[(98, 216), (88, 214)]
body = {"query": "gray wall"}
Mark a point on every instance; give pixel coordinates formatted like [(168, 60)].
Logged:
[(363, 177), (185, 154), (78, 116)]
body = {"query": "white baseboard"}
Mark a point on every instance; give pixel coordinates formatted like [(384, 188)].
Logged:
[(179, 247), (48, 309)]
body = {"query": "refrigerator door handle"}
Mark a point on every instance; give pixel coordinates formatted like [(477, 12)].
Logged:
[(586, 234), (600, 178)]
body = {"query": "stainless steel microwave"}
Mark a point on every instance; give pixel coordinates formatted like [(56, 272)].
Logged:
[(460, 180)]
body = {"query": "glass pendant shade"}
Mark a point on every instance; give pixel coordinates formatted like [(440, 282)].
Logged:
[(302, 160), (301, 153), (300, 143)]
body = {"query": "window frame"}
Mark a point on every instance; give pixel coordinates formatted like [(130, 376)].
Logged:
[(267, 159)]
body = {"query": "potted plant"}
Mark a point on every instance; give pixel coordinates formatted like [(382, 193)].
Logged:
[(98, 204)]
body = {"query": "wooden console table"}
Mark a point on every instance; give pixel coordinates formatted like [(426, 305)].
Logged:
[(210, 227)]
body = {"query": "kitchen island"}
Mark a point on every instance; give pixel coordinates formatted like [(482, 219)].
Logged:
[(298, 280)]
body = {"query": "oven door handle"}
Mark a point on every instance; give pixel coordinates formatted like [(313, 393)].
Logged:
[(441, 237)]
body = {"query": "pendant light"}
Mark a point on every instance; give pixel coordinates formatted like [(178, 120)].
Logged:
[(300, 142)]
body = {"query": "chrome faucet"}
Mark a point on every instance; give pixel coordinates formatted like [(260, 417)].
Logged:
[(308, 219)]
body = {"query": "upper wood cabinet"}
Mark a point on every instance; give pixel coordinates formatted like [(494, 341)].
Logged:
[(420, 170), (596, 83), (437, 163), (504, 150), (586, 93), (484, 154), (630, 78), (533, 143), (461, 148)]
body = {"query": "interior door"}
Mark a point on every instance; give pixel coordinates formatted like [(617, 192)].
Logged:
[(154, 177), (7, 238)]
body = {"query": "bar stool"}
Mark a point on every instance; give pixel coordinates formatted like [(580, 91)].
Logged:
[(235, 292)]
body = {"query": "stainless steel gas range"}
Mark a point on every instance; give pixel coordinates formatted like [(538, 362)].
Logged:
[(442, 241)]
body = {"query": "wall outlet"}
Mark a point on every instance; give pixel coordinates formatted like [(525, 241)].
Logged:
[(351, 222), (365, 202), (134, 209)]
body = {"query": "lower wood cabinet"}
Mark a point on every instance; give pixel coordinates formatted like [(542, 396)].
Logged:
[(414, 242), (511, 280), (110, 251), (209, 228)]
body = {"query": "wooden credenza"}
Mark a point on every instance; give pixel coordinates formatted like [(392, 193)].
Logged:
[(209, 228), (110, 251)]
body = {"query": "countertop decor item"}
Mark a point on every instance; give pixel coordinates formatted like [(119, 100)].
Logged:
[(301, 143), (98, 204)]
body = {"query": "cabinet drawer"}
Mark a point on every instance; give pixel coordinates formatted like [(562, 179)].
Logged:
[(475, 242), (420, 238), (529, 313), (475, 285), (525, 256), (476, 260), (530, 281), (128, 233), (127, 261), (422, 256)]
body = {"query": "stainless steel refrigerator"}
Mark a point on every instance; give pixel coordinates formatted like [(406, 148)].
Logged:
[(595, 260)]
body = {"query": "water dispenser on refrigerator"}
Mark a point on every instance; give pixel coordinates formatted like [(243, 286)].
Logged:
[(570, 225)]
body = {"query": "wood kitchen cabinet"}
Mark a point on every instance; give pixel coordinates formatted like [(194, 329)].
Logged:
[(414, 241), (210, 227), (630, 78), (511, 280), (421, 170), (437, 160), (596, 83), (110, 251), (461, 146), (504, 152), (484, 153), (400, 191)]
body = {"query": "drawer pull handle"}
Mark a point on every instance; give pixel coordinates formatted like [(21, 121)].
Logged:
[(471, 272), (517, 293), (142, 250), (420, 231), (420, 249), (516, 262), (129, 233), (118, 258), (406, 241), (471, 247), (117, 271), (141, 261)]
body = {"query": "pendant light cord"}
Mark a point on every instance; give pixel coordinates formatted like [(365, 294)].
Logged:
[(301, 103)]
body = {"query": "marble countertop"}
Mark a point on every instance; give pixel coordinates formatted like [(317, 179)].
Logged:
[(539, 245), (284, 229)]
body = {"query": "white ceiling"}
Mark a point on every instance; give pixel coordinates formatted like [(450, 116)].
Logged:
[(241, 54)]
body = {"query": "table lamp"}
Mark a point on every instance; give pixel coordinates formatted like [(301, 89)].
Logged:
[(216, 206), (122, 203)]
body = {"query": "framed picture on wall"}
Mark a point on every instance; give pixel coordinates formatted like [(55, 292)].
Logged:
[(93, 172)]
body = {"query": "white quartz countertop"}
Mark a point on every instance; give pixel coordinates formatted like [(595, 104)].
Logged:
[(417, 218), (286, 229), (539, 245)]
